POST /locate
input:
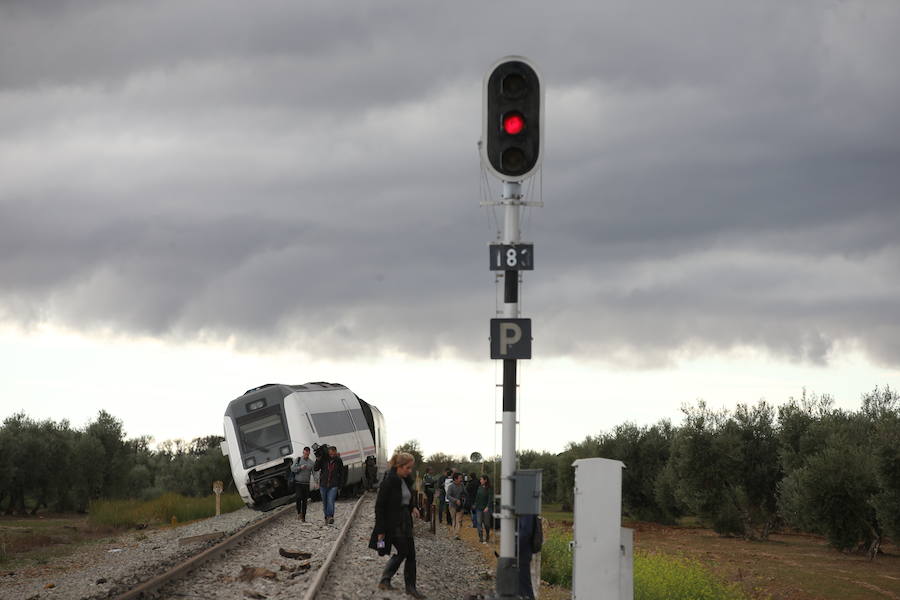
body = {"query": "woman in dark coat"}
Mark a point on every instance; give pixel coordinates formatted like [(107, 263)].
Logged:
[(394, 512)]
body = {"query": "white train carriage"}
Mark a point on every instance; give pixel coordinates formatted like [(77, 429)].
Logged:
[(267, 428)]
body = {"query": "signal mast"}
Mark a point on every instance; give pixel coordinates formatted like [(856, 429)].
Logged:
[(511, 150)]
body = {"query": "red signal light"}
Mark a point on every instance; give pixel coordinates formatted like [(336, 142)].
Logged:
[(513, 123)]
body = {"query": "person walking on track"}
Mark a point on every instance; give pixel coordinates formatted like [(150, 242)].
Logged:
[(455, 500), (483, 496), (331, 479), (442, 495), (472, 484), (302, 470), (428, 488), (394, 512)]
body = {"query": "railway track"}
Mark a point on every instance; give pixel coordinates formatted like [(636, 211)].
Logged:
[(280, 558), (273, 558)]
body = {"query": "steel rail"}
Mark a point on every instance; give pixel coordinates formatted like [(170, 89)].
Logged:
[(319, 579), (145, 589)]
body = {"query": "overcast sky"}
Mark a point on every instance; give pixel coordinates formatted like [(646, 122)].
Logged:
[(199, 194)]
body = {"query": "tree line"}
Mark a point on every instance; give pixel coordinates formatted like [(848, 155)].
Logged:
[(805, 465), (51, 465)]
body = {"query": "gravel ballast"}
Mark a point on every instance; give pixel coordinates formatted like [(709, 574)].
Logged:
[(278, 577), (447, 569), (107, 568)]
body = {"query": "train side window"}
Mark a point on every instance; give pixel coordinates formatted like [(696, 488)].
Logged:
[(333, 423), (310, 423)]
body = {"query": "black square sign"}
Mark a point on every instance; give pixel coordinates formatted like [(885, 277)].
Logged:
[(511, 338), (512, 257)]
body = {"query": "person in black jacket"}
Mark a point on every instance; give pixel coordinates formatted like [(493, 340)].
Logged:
[(526, 525), (394, 512), (471, 490), (331, 479)]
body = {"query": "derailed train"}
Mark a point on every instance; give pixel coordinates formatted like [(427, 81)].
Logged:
[(267, 427)]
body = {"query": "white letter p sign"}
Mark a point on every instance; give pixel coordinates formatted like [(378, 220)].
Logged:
[(510, 339), (510, 333)]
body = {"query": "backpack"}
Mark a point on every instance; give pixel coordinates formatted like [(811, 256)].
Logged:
[(537, 535)]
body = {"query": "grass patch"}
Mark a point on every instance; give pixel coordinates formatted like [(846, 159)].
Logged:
[(556, 559), (664, 577), (130, 513), (554, 512), (656, 576), (42, 538)]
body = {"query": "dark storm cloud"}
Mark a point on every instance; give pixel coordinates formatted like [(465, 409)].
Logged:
[(306, 174)]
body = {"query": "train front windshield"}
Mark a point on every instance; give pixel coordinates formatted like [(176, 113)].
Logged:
[(262, 433)]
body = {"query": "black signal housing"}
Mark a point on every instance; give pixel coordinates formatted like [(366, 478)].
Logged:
[(512, 119)]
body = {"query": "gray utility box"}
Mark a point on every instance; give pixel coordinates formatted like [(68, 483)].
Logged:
[(527, 484), (602, 566)]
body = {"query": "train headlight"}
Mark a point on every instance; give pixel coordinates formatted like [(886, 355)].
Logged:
[(249, 462), (256, 404), (285, 450)]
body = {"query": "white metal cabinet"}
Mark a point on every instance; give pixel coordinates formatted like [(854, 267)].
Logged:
[(602, 549)]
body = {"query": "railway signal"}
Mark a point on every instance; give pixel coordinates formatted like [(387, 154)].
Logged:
[(512, 119), (511, 146)]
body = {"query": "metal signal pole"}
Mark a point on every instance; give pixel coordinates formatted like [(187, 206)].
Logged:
[(512, 121), (507, 580)]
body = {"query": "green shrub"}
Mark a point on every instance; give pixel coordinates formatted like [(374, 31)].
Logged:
[(119, 513), (151, 493), (556, 559), (656, 576), (129, 513), (663, 577)]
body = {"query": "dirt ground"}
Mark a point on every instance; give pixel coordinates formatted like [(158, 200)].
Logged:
[(36, 540), (786, 567)]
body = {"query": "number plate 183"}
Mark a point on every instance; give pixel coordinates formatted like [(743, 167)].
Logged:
[(512, 257)]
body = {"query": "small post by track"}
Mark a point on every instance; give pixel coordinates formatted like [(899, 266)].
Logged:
[(218, 488)]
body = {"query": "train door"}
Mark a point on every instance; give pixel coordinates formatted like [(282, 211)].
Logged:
[(356, 455)]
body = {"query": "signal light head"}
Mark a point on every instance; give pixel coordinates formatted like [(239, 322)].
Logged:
[(512, 119), (513, 123)]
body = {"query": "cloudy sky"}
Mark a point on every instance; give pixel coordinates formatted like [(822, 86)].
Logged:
[(200, 197)]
